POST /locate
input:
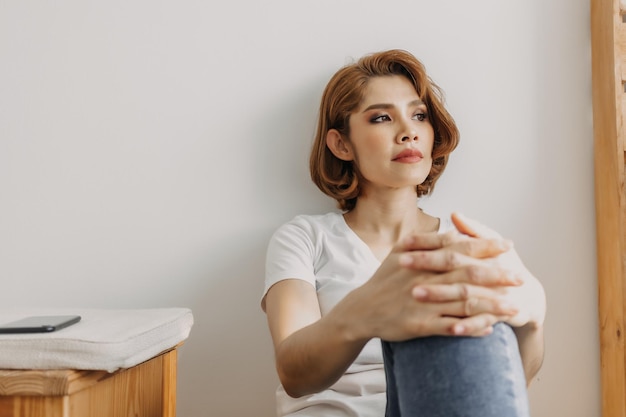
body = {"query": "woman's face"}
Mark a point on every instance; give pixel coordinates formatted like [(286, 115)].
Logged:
[(391, 137)]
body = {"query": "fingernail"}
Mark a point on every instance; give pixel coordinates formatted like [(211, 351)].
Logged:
[(517, 278), (405, 260), (458, 329), (513, 277), (505, 244), (419, 292), (508, 308)]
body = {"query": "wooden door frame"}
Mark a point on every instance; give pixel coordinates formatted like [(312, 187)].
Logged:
[(608, 92)]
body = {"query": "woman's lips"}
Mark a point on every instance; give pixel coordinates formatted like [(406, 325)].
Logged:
[(409, 156)]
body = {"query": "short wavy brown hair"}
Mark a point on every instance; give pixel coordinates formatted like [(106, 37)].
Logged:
[(343, 94)]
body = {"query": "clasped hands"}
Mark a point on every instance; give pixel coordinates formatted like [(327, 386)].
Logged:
[(457, 283)]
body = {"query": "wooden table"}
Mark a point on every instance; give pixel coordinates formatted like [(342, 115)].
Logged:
[(145, 390)]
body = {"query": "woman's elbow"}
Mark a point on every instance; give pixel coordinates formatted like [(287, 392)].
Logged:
[(293, 386)]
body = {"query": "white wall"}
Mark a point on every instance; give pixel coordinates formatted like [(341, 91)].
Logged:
[(149, 148)]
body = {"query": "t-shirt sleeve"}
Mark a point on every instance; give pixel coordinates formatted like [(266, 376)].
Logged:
[(290, 254)]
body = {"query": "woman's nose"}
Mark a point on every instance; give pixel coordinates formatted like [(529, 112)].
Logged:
[(408, 131), (407, 136)]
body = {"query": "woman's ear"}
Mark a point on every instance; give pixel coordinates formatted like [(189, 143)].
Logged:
[(339, 146)]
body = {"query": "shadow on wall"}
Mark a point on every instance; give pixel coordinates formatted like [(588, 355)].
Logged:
[(227, 366), (282, 148)]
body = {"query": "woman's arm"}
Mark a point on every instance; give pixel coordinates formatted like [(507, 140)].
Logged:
[(312, 352), (528, 298), (531, 347), (528, 323)]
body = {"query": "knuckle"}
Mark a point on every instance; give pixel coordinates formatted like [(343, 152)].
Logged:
[(470, 247), (475, 274), (419, 258), (507, 307), (417, 240), (463, 292), (415, 327), (448, 238), (469, 306), (452, 259), (490, 319), (406, 259)]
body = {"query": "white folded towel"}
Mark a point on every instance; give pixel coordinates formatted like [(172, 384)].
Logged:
[(103, 339)]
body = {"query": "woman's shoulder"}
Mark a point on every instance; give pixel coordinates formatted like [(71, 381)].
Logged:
[(308, 227), (315, 221)]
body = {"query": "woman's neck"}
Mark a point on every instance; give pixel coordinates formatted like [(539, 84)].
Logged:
[(381, 219)]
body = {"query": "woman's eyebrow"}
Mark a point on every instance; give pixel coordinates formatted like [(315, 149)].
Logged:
[(387, 106)]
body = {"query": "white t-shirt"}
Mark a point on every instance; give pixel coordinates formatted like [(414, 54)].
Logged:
[(325, 252)]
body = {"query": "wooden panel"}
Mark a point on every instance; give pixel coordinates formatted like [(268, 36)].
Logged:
[(620, 44), (623, 116), (137, 391), (52, 382), (33, 406), (146, 390), (170, 367), (607, 45)]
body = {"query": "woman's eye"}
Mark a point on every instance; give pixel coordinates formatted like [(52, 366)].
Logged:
[(381, 118), (421, 116)]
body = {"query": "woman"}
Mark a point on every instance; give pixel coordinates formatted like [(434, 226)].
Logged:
[(442, 294)]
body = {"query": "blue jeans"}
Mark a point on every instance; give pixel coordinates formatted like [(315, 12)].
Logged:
[(446, 376)]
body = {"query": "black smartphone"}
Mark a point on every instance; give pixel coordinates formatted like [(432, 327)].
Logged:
[(39, 324)]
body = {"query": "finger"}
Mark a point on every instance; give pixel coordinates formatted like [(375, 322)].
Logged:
[(472, 227), (485, 332), (476, 326), (440, 325), (454, 292), (442, 260), (473, 306), (519, 319), (482, 274), (427, 241), (432, 240), (479, 325), (475, 247), (482, 247)]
